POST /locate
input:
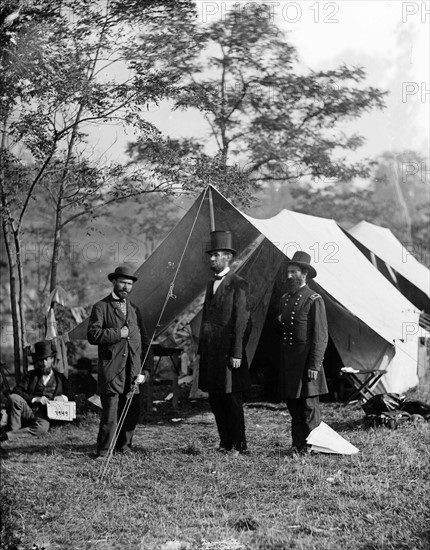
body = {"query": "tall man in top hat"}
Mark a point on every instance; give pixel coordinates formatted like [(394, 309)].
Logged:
[(304, 340), (26, 406), (117, 328), (223, 371)]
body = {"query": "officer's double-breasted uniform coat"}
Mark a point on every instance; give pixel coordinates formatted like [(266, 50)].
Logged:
[(304, 340)]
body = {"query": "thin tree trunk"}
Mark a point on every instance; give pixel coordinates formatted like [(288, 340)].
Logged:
[(57, 242), (21, 312), (8, 235), (64, 175), (59, 209), (16, 332)]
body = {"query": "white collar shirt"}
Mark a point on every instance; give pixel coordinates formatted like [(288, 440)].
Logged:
[(47, 377), (217, 282)]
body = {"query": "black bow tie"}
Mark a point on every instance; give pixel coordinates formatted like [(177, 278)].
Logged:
[(118, 300), (218, 277)]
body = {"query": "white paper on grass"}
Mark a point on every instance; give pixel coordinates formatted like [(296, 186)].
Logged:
[(324, 439)]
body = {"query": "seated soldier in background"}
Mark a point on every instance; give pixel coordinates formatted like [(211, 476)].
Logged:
[(26, 406)]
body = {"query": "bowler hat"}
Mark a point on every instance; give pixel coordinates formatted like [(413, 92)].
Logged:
[(44, 349), (303, 259), (122, 271), (221, 240)]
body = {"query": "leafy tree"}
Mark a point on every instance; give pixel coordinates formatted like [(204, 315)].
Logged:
[(269, 119), (62, 65), (184, 166)]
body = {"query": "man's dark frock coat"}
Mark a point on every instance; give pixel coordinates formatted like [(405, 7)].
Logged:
[(104, 331), (119, 363), (222, 335)]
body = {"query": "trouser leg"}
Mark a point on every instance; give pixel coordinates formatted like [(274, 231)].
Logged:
[(23, 420), (126, 433), (305, 416), (19, 412), (229, 417), (108, 422), (40, 425), (236, 421), (219, 409)]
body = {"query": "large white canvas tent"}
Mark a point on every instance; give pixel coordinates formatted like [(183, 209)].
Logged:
[(395, 262), (371, 324)]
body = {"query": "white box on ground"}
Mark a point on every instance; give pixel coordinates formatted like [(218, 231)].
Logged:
[(58, 410)]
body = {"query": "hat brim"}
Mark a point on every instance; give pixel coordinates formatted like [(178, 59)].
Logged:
[(113, 276), (232, 250), (312, 273), (34, 356)]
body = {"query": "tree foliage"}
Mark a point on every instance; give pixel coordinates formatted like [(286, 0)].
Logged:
[(183, 165), (69, 67), (265, 114)]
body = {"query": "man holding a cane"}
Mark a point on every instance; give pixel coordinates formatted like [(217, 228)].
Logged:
[(117, 328)]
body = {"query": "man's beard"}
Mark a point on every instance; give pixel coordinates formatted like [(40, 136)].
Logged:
[(293, 285), (45, 370)]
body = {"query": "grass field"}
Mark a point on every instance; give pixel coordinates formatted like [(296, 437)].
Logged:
[(176, 492)]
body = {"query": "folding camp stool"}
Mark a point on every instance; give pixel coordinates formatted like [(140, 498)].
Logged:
[(364, 388), (175, 358)]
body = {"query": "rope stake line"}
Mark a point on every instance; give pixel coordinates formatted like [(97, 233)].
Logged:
[(170, 295), (116, 434)]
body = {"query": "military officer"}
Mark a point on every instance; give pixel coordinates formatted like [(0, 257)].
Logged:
[(304, 340)]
